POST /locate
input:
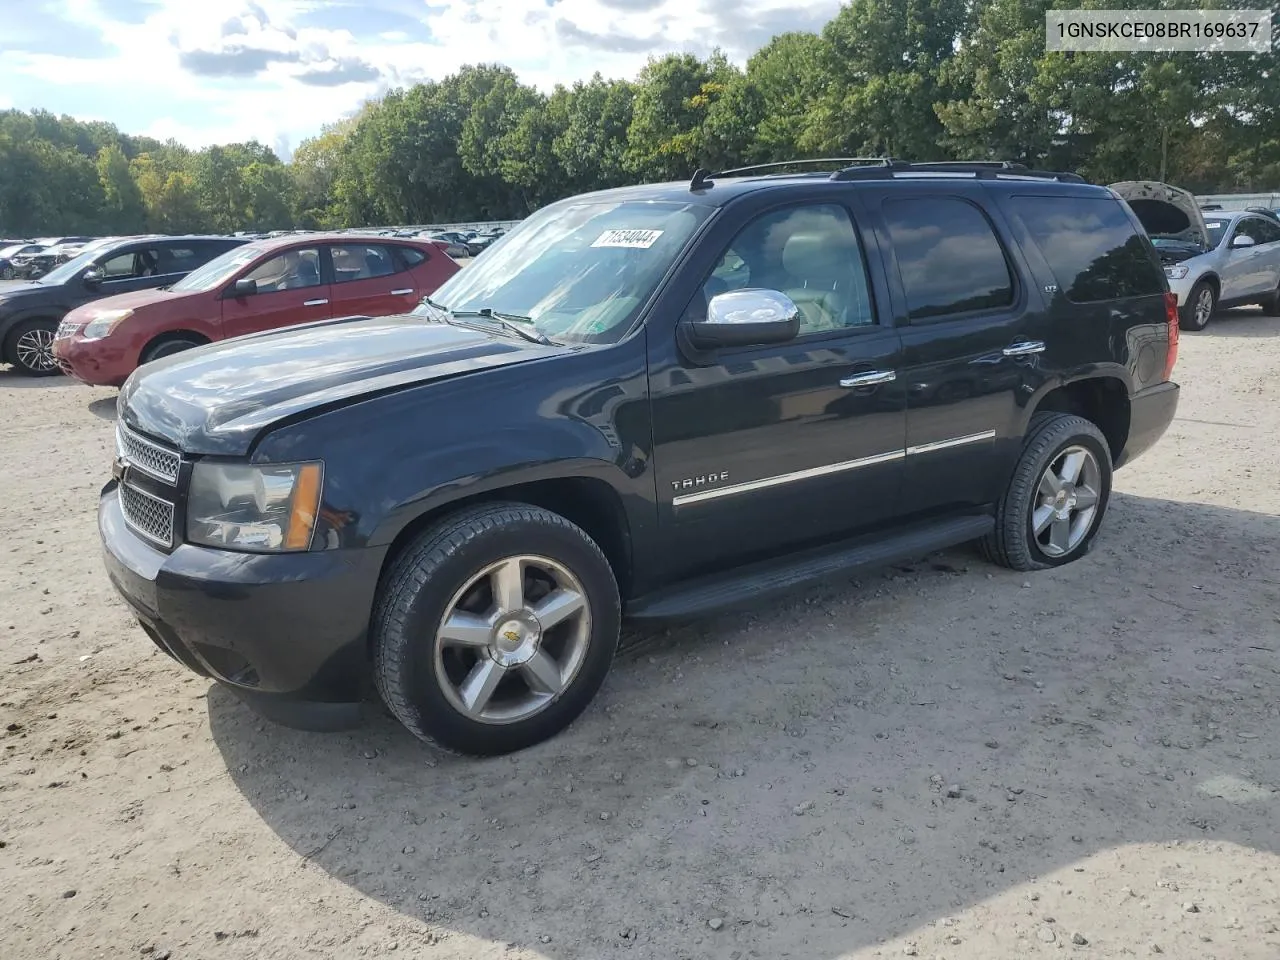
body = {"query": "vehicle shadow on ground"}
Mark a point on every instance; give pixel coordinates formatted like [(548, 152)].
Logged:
[(780, 782), (1248, 322), (104, 408)]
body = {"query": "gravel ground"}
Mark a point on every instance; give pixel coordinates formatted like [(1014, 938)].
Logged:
[(950, 760)]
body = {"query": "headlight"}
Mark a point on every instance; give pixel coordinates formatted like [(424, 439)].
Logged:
[(268, 508), (1176, 271), (103, 323)]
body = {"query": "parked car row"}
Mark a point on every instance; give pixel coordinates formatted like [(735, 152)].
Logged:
[(1212, 259), (128, 301)]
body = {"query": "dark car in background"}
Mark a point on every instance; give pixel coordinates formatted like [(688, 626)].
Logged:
[(30, 310)]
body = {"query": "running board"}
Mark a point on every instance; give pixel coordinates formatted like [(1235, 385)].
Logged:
[(753, 582)]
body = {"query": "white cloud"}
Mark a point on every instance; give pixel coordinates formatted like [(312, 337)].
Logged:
[(206, 72)]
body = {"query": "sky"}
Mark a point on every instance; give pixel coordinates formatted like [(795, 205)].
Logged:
[(218, 71)]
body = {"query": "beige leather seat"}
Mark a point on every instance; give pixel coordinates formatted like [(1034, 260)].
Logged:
[(822, 274)]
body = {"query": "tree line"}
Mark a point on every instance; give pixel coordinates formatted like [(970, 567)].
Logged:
[(915, 79)]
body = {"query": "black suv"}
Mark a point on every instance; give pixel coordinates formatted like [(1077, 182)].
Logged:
[(651, 402), (30, 310)]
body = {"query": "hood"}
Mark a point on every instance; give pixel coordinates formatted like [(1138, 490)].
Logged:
[(216, 399), (10, 289), (123, 301), (1165, 211)]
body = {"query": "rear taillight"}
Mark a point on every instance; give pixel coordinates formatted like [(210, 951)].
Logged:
[(1171, 312)]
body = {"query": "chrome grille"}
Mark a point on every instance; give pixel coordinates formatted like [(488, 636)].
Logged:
[(147, 456), (65, 329), (148, 516)]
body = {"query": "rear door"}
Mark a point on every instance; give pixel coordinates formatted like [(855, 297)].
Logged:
[(369, 279), (290, 291), (969, 337)]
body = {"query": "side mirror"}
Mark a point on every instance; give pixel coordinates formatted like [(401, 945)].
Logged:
[(93, 278), (246, 287), (746, 318), (1242, 241)]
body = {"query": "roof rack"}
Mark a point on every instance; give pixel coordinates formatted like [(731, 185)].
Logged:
[(982, 169), (705, 178)]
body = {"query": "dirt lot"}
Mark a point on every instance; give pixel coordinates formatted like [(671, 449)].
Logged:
[(948, 761)]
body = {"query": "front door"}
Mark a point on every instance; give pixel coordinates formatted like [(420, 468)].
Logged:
[(289, 291), (766, 448), (970, 343), (1247, 271), (369, 281)]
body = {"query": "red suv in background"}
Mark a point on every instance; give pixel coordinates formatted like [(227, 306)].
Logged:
[(259, 286)]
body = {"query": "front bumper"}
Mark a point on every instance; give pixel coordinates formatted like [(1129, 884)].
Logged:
[(1150, 413), (285, 632), (99, 363), (1182, 288)]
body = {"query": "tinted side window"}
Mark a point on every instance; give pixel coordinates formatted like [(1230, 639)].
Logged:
[(812, 254), (411, 256), (1091, 246), (362, 261), (1259, 229), (131, 265), (292, 270), (948, 256)]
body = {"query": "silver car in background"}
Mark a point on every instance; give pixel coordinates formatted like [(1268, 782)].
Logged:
[(1221, 259)]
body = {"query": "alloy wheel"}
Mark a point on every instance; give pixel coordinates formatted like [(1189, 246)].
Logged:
[(1066, 501), (1204, 307), (512, 639), (34, 350)]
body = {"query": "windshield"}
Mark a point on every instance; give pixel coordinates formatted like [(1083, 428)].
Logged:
[(581, 271), (218, 270), (1217, 230), (64, 272)]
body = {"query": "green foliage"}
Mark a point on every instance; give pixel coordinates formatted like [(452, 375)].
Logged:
[(916, 79)]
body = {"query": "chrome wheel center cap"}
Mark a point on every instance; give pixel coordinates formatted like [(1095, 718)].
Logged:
[(515, 639)]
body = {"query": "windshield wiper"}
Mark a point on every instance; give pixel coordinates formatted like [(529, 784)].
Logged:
[(510, 321)]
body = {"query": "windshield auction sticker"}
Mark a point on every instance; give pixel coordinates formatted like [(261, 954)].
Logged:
[(634, 239), (1213, 31)]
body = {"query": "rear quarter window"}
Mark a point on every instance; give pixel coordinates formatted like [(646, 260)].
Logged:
[(1092, 247), (411, 256)]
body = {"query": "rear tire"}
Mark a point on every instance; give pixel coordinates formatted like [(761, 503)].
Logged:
[(6, 272), (1042, 521), (466, 652), (29, 347), (1198, 310), (167, 348)]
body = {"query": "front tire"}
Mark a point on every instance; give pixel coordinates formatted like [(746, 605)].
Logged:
[(167, 348), (29, 348), (495, 628), (1055, 502), (1198, 310)]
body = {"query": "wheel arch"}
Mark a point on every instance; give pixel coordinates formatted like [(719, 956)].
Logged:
[(1102, 398), (168, 337), (8, 324), (586, 500)]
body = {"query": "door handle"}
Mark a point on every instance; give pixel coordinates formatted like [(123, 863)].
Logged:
[(1024, 349), (871, 379), (401, 293), (314, 303)]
